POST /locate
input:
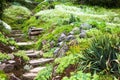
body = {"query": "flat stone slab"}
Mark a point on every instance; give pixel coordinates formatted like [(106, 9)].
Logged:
[(24, 43), (37, 69), (34, 54), (29, 76), (37, 62)]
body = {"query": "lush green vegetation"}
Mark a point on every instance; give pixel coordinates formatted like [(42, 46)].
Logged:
[(22, 55), (94, 56)]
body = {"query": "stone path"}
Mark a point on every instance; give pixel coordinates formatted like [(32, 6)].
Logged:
[(33, 66)]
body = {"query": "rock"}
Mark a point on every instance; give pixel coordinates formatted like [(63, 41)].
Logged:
[(60, 44), (71, 33), (82, 35), (37, 62), (52, 44), (70, 37), (11, 56), (7, 67), (11, 62), (37, 69), (85, 26), (59, 52), (62, 37), (29, 76), (27, 67), (13, 77), (56, 51), (35, 54)]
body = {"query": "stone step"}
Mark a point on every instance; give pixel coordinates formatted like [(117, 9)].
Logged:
[(16, 35), (37, 62), (29, 76), (37, 69), (34, 54), (32, 73), (25, 43), (16, 32)]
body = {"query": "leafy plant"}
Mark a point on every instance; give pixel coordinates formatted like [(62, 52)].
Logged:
[(45, 74), (3, 57), (3, 76), (7, 41), (79, 75), (102, 55), (49, 54), (66, 61), (22, 55)]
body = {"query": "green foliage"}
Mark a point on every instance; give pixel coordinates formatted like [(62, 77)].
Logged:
[(16, 15), (79, 75), (4, 57), (45, 74), (22, 55), (44, 5), (66, 61), (49, 54), (102, 55), (3, 76), (7, 41), (93, 32)]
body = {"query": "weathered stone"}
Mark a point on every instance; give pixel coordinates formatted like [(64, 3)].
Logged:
[(62, 37), (71, 33), (13, 77), (11, 56), (59, 52), (70, 37), (52, 44), (85, 26), (28, 67), (56, 51), (82, 35), (35, 54), (29, 76), (37, 69), (11, 62), (37, 62), (7, 67), (60, 44)]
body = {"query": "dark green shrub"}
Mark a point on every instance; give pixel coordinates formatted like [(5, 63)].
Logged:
[(104, 3), (102, 55)]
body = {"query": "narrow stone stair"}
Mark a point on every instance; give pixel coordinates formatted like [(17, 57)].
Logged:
[(32, 73)]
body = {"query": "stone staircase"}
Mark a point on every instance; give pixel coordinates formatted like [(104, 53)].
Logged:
[(17, 35), (35, 61)]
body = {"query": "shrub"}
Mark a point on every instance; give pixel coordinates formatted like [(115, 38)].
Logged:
[(105, 3), (3, 57), (45, 74), (3, 76), (102, 55)]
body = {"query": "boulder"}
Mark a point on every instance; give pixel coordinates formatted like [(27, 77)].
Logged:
[(60, 44), (7, 67), (82, 35), (62, 37), (70, 37)]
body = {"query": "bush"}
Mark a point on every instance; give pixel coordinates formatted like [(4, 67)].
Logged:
[(102, 55), (105, 3)]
